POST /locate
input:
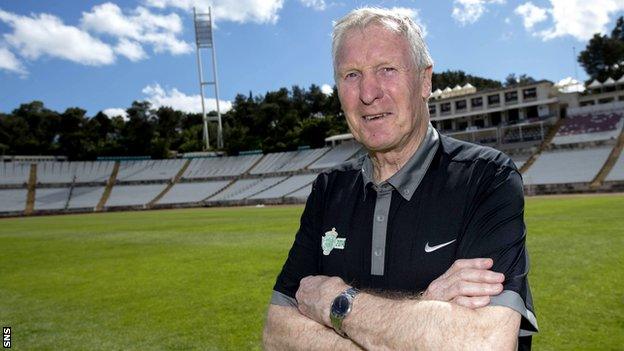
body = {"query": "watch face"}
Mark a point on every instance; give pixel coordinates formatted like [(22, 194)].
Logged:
[(341, 305)]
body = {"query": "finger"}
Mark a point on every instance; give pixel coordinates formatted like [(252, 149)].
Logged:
[(472, 302), (480, 276), (478, 263), (477, 289)]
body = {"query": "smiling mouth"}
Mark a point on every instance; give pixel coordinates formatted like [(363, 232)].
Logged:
[(376, 116)]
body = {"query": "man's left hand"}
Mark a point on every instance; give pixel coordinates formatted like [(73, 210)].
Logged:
[(316, 294)]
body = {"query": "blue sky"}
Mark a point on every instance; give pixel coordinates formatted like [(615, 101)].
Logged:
[(102, 55)]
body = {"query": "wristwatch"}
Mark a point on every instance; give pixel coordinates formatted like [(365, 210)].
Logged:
[(340, 308)]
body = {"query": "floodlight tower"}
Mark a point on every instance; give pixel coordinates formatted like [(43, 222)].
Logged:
[(204, 40)]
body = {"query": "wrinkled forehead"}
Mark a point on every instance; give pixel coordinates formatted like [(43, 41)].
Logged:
[(372, 42)]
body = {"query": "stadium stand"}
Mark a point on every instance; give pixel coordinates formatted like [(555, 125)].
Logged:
[(220, 166), (617, 172), (12, 200), (51, 198), (133, 195), (577, 154), (337, 155), (566, 166), (300, 194), (289, 185), (67, 172), (192, 192), (14, 172), (591, 126), (148, 170), (245, 188), (85, 197), (287, 161)]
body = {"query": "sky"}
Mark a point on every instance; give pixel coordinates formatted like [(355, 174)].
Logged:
[(101, 55)]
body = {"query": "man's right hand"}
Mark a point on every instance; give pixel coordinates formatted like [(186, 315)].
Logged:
[(468, 283)]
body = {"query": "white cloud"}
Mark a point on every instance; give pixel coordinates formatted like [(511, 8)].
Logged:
[(469, 11), (132, 50), (9, 62), (327, 89), (114, 112), (531, 14), (241, 11), (177, 100), (414, 14), (141, 27), (46, 35), (570, 85), (315, 4), (580, 19)]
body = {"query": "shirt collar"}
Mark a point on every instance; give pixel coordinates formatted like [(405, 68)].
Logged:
[(407, 179)]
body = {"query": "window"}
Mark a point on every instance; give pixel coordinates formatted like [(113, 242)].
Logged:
[(476, 102), (445, 107), (460, 105), (531, 112), (493, 99), (528, 94), (495, 118), (511, 96), (432, 109), (606, 100)]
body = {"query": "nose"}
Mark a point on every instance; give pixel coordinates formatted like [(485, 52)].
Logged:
[(370, 90)]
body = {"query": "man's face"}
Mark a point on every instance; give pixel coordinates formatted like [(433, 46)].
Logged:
[(380, 90)]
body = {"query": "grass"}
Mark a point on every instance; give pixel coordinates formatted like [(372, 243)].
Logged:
[(202, 278)]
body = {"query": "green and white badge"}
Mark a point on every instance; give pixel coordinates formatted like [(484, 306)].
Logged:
[(331, 241)]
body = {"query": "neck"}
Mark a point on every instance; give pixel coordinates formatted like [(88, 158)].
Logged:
[(388, 163)]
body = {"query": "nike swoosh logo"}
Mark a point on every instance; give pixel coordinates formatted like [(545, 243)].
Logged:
[(433, 248)]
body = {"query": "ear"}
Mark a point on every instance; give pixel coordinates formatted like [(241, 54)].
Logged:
[(425, 83)]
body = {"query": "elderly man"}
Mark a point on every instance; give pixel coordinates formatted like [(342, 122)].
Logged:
[(421, 243)]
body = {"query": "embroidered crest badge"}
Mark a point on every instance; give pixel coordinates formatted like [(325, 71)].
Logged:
[(331, 241)]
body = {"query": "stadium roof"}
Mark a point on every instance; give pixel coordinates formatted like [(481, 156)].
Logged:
[(594, 84)]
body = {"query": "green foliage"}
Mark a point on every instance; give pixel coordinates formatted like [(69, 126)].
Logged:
[(512, 80), (282, 120), (278, 121), (451, 78), (201, 279), (603, 56)]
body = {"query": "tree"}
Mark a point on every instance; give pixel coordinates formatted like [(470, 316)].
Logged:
[(451, 78), (138, 131), (34, 129), (603, 56), (72, 141), (512, 80)]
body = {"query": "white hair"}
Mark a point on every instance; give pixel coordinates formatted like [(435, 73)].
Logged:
[(389, 19)]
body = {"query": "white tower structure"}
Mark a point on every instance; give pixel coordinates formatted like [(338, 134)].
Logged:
[(204, 40)]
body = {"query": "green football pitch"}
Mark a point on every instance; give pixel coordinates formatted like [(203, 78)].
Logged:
[(202, 278)]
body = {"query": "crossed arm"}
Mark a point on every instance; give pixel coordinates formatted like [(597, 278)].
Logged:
[(376, 322)]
